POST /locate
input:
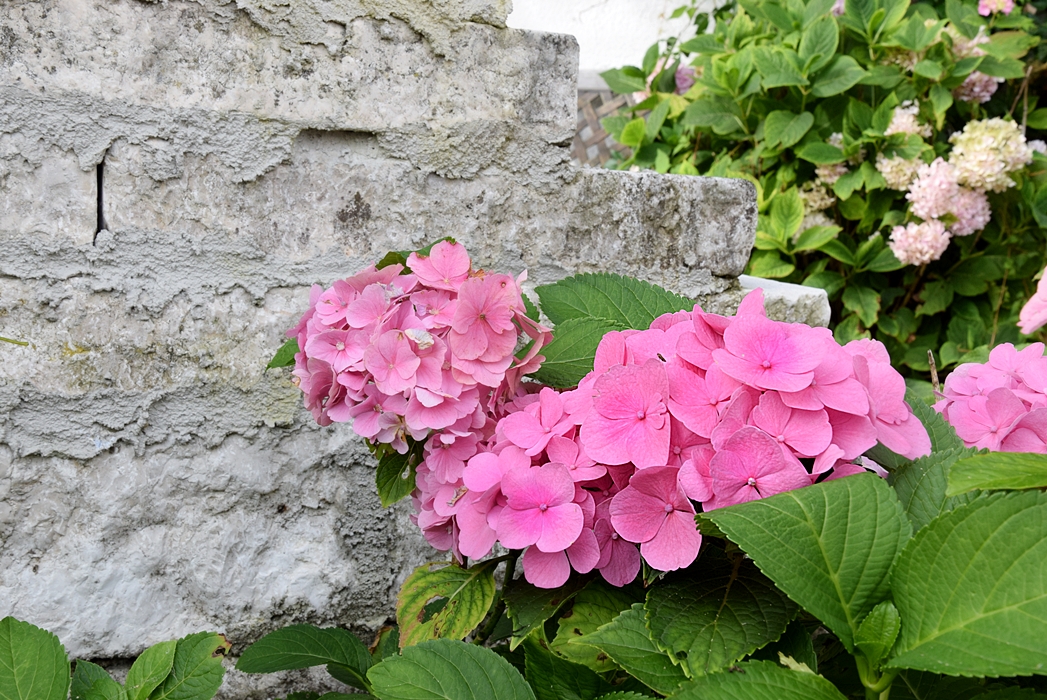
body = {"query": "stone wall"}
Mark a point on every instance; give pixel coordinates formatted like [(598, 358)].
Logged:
[(173, 177)]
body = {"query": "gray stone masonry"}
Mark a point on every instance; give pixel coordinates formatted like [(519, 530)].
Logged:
[(173, 177)]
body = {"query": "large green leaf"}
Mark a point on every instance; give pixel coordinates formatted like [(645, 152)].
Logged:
[(760, 680), (84, 677), (150, 669), (721, 114), (778, 67), (554, 678), (971, 588), (108, 689), (627, 641), (710, 620), (33, 663), (303, 646), (830, 546), (819, 42), (446, 602), (529, 607), (197, 670), (569, 357), (596, 605), (630, 302), (447, 669), (786, 128), (921, 486), (998, 470), (841, 75)]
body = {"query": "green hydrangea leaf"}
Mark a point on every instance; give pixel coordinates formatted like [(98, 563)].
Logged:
[(847, 532), (150, 669), (303, 646), (630, 302), (971, 588), (197, 670), (447, 669), (33, 663), (594, 606), (554, 678), (997, 470), (627, 641), (448, 602), (528, 606), (760, 680), (708, 622)]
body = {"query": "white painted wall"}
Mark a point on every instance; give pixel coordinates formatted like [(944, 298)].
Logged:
[(611, 33)]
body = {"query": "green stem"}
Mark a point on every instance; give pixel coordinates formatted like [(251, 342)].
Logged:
[(499, 601), (13, 341)]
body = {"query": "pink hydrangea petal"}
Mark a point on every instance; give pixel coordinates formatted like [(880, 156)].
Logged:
[(561, 526), (675, 546), (584, 554), (636, 516), (546, 569)]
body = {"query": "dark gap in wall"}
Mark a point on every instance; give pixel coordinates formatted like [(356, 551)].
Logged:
[(100, 216)]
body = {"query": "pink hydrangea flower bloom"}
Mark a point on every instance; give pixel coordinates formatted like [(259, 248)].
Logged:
[(934, 191), (446, 267), (770, 355), (483, 320), (654, 512), (699, 402), (986, 420), (751, 466), (1029, 433), (1033, 315), (916, 244), (807, 433), (533, 427), (392, 362), (619, 559), (332, 304), (540, 509), (628, 421)]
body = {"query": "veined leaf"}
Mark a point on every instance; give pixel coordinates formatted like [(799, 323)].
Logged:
[(630, 302), (786, 128), (878, 632), (841, 75), (33, 663), (529, 606), (710, 622), (820, 39), (284, 357), (395, 476), (595, 605), (971, 588), (84, 678), (623, 83), (997, 470), (197, 668), (105, 689), (943, 436), (760, 680), (921, 486), (446, 669), (627, 641), (446, 602), (150, 669), (303, 646), (555, 678), (719, 113), (778, 67), (846, 532), (570, 355)]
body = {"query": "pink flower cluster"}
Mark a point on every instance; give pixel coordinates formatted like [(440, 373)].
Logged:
[(1002, 404), (947, 209), (1033, 315), (697, 408), (401, 355)]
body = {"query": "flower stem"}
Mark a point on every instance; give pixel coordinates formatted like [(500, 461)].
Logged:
[(499, 602)]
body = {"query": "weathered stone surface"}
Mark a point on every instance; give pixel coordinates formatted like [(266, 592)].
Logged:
[(154, 479)]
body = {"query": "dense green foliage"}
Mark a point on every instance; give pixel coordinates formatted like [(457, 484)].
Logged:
[(804, 104)]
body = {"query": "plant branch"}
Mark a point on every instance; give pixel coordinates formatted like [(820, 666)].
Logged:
[(499, 602)]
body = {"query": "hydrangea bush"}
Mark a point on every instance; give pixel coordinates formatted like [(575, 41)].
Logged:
[(696, 407), (699, 501), (897, 150)]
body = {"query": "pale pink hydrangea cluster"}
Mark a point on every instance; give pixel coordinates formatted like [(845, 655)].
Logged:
[(990, 7), (919, 243), (904, 121), (936, 193), (986, 151), (977, 87), (403, 355), (1002, 404), (897, 171)]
